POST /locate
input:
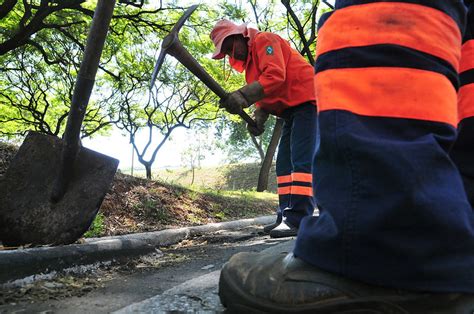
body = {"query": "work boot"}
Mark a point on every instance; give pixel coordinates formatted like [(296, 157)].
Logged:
[(270, 227), (283, 230), (281, 283)]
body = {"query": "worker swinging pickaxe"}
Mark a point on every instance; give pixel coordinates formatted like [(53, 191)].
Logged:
[(171, 45)]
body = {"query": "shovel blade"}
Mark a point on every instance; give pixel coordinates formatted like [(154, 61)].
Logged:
[(27, 215)]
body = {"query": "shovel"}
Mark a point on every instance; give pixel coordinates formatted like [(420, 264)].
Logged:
[(53, 188)]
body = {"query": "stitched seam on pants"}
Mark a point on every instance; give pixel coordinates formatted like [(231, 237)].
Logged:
[(351, 210), (339, 147)]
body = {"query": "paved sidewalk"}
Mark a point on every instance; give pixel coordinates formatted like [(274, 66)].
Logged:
[(198, 295), (21, 263)]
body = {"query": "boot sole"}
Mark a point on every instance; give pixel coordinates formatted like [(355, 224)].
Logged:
[(282, 234), (237, 301)]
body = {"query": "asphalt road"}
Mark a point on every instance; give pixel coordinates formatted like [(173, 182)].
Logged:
[(181, 278)]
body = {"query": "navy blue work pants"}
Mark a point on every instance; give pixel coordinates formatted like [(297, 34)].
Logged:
[(393, 206), (463, 150), (294, 164)]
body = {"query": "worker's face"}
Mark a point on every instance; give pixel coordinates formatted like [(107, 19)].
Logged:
[(235, 47)]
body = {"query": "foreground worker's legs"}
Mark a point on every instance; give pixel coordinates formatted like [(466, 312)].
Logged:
[(296, 153), (394, 211), (463, 150)]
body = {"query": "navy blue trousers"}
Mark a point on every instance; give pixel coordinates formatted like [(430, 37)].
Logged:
[(294, 164), (463, 155), (393, 206), (463, 150)]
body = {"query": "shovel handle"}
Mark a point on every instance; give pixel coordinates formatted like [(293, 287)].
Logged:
[(82, 91)]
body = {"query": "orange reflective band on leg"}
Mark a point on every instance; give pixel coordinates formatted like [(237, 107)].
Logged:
[(302, 177), (467, 56), (284, 179), (302, 190), (284, 190), (388, 92), (410, 25), (466, 101)]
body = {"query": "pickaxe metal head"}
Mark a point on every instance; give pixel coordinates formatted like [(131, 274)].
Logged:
[(169, 41)]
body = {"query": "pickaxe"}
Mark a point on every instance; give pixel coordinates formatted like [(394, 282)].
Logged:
[(171, 45)]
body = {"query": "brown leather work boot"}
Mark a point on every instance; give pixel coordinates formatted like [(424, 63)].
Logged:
[(279, 283)]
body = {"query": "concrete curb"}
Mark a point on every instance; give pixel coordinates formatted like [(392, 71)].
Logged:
[(17, 264)]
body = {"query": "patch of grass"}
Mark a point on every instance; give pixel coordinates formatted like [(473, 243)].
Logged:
[(240, 204), (248, 195), (193, 195), (220, 215), (193, 219), (97, 227), (227, 177), (154, 209)]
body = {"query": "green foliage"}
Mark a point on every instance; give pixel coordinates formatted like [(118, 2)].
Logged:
[(39, 72), (97, 227), (41, 80), (236, 141), (36, 96)]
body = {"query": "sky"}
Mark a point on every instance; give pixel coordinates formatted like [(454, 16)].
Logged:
[(170, 155)]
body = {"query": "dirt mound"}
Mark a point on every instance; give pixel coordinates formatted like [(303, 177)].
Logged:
[(139, 205)]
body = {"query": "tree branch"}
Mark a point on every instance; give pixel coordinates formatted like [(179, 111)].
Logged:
[(6, 7)]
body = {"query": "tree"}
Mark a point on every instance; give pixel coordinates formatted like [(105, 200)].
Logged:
[(170, 106), (179, 101), (41, 46), (262, 183), (195, 152), (32, 22), (36, 96), (302, 29)]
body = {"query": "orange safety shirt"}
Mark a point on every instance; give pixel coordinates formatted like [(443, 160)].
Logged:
[(286, 77)]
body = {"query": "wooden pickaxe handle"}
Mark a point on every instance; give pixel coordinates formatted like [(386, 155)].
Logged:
[(185, 58)]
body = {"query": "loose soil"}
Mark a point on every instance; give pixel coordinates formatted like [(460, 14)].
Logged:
[(140, 205)]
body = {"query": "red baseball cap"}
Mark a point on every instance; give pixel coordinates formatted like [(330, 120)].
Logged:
[(222, 30)]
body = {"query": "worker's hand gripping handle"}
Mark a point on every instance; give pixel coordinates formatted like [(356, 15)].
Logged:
[(242, 113)]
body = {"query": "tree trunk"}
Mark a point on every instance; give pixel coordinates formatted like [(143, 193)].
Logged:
[(148, 170), (258, 146), (262, 184), (192, 180)]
